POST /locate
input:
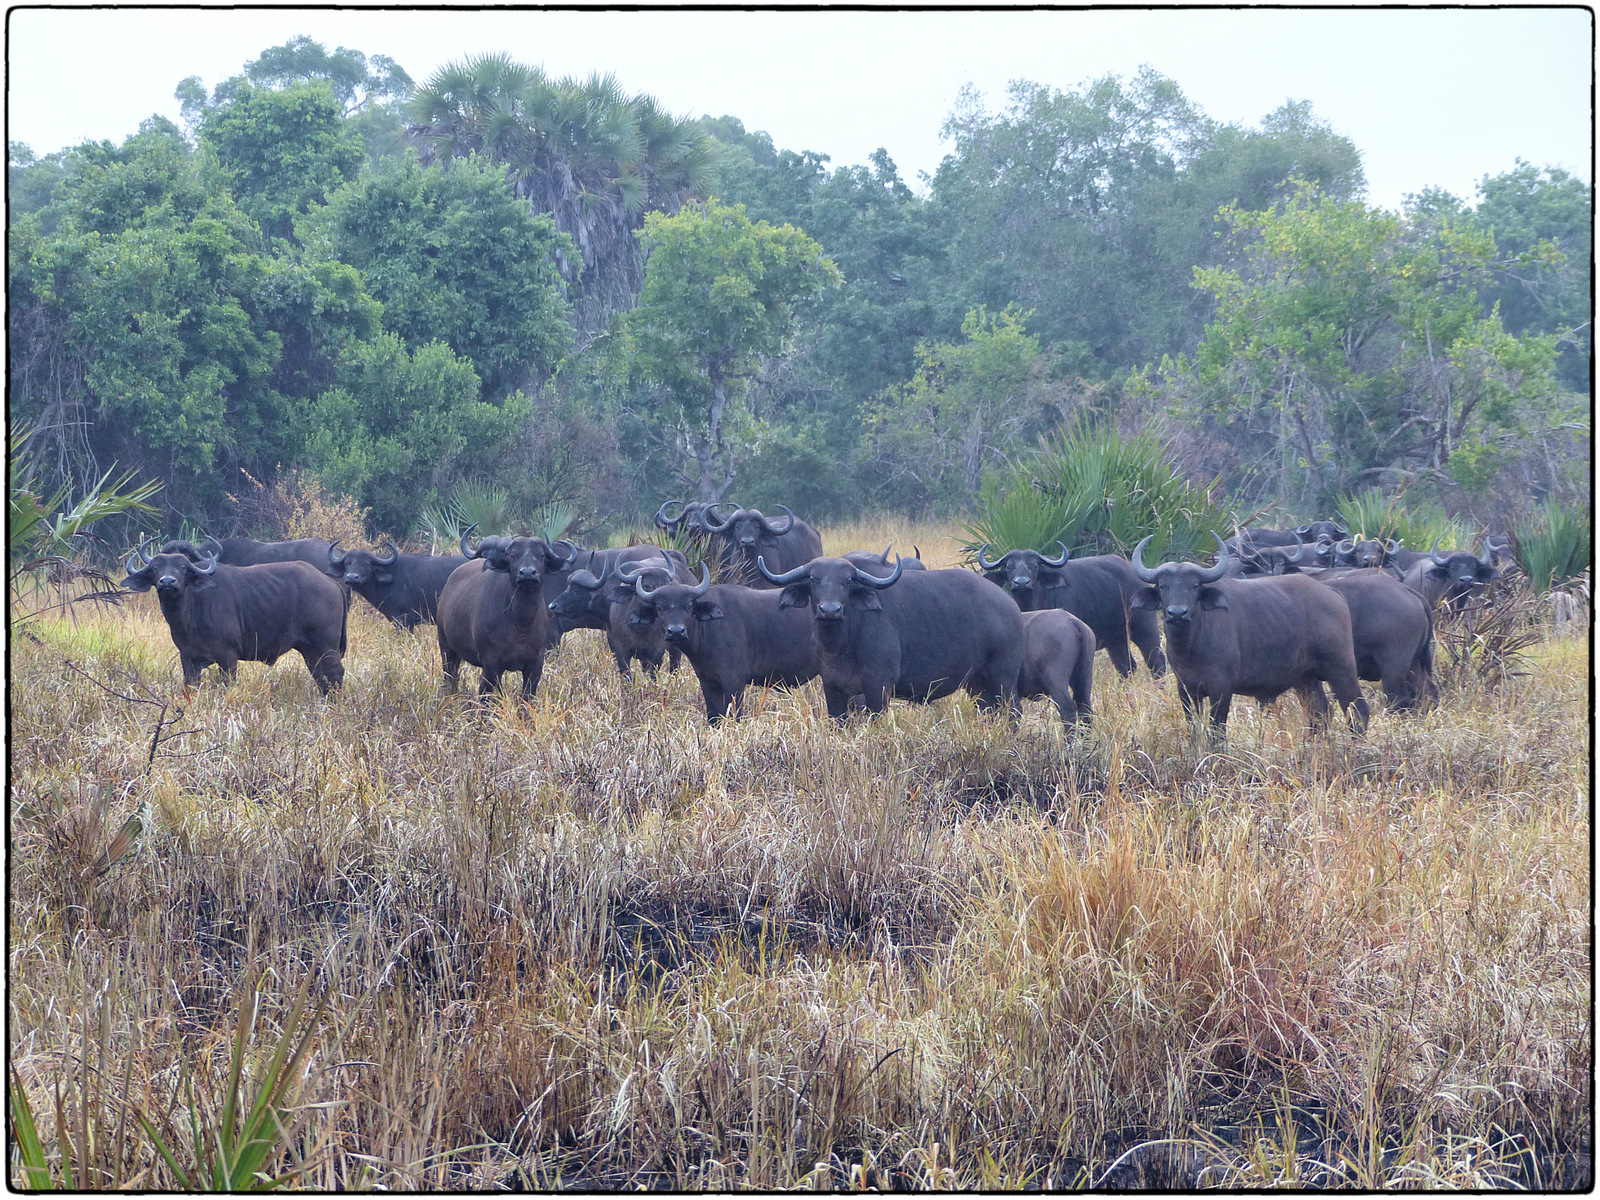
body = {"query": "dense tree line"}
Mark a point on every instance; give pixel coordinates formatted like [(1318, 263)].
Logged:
[(554, 288)]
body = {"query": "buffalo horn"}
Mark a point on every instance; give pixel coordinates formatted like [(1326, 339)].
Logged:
[(1346, 547), (142, 555), (1144, 572), (133, 567), (873, 581), (472, 553), (708, 517), (885, 555), (1295, 556), (640, 566), (786, 578), (917, 550), (772, 528), (1056, 562), (984, 562), (211, 570), (586, 580), (1433, 553), (1486, 560), (331, 559), (1213, 573), (216, 547), (662, 520), (1391, 546), (1302, 530), (566, 558), (393, 555)]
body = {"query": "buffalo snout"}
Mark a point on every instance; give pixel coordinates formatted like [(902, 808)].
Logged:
[(677, 633), (167, 583), (830, 610), (1177, 612)]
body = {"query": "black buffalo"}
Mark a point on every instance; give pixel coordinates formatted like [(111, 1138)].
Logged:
[(745, 535), (403, 587), (688, 521), (1096, 590), (492, 613), (1451, 579), (733, 637), (879, 564), (602, 602), (1252, 637), (1367, 554), (222, 614), (1392, 635), (247, 552), (918, 635), (1058, 662), (564, 560), (1261, 539)]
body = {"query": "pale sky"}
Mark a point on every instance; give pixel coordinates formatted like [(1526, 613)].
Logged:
[(1430, 97)]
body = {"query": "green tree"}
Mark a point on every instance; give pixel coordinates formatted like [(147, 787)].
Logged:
[(403, 426), (719, 294), (1350, 344), (966, 407), (286, 150), (594, 157), (455, 257)]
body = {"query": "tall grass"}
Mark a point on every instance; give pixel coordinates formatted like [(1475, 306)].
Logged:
[(593, 942), (1373, 513), (1098, 492), (1553, 545)]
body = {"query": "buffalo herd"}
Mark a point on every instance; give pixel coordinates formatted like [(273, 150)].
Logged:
[(1277, 611)]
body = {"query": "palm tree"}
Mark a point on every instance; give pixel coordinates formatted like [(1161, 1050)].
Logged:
[(594, 157)]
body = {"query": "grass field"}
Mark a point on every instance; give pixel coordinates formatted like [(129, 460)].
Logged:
[(593, 942)]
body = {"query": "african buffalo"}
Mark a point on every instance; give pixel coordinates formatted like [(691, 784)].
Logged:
[(879, 564), (492, 613), (1262, 539), (603, 602), (221, 614), (560, 568), (1367, 554), (1254, 637), (745, 535), (247, 552), (1452, 578), (733, 636), (918, 635), (689, 520), (403, 587), (1391, 632), (1096, 590), (1058, 662)]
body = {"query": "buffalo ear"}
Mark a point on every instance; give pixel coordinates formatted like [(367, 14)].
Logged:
[(1211, 597), (137, 583), (1484, 576), (707, 610), (1145, 597), (1051, 577), (642, 618), (998, 577), (383, 576), (869, 600), (796, 595), (1438, 572)]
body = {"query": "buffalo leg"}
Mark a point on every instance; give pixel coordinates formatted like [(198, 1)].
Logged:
[(1117, 648), (452, 668), (673, 657), (1316, 704), (1083, 682), (838, 699), (230, 670), (489, 681), (716, 697), (191, 669), (530, 679), (1142, 629), (325, 668)]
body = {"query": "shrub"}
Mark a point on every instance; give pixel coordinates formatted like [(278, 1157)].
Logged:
[(1553, 545), (297, 504), (1372, 514), (1099, 492)]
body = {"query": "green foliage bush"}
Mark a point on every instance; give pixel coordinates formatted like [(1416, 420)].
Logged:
[(1099, 492), (1372, 513), (1553, 544)]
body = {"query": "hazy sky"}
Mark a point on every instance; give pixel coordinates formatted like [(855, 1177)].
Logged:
[(1430, 97)]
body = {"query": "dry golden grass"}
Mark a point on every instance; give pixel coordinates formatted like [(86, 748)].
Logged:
[(595, 942)]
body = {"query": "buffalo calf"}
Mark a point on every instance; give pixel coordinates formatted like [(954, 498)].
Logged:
[(1058, 662)]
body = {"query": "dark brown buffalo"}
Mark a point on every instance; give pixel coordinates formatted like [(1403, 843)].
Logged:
[(221, 614), (403, 587), (1365, 555), (733, 636), (879, 564), (1452, 579), (918, 635), (1058, 662), (1392, 635), (689, 520), (745, 535), (605, 602), (247, 552), (492, 613), (1252, 637), (565, 560), (1096, 590)]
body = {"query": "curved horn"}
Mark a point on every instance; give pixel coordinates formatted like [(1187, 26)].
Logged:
[(566, 558), (985, 563), (642, 564), (332, 561), (1213, 573), (1295, 557), (211, 541), (662, 520), (1391, 546), (885, 555), (142, 555), (472, 553), (211, 570), (1345, 547), (873, 581), (786, 578), (1434, 554), (701, 588), (393, 555), (915, 549), (1056, 562), (587, 581), (1302, 530), (767, 524), (1488, 559), (132, 567), (1144, 572), (708, 517)]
